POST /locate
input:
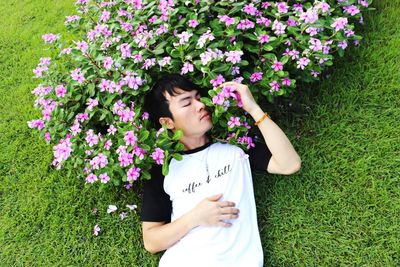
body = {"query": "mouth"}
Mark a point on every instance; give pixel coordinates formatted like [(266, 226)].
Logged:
[(205, 116)]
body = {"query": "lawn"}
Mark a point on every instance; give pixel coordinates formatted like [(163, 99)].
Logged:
[(341, 209)]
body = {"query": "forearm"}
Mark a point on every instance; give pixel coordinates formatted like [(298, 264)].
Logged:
[(281, 148), (161, 237)]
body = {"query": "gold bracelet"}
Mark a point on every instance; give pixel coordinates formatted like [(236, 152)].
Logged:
[(262, 118)]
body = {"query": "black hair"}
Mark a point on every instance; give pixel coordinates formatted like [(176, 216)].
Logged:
[(155, 102)]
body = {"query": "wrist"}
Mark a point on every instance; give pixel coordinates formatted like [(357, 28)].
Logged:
[(256, 113), (190, 220)]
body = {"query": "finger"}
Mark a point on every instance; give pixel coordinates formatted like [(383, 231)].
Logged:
[(227, 204), (228, 217), (224, 224), (228, 83), (215, 197), (229, 210)]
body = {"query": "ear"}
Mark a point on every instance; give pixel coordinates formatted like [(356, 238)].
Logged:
[(168, 122)]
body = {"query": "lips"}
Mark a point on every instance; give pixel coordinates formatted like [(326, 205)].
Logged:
[(205, 116)]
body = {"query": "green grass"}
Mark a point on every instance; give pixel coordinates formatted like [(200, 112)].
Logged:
[(342, 209)]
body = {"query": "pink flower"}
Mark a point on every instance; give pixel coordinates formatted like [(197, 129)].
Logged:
[(105, 15), (278, 27), (315, 44), (100, 161), (47, 136), (83, 46), (339, 23), (310, 16), (234, 121), (265, 5), (207, 36), (91, 138), (256, 76), (125, 50), (277, 66), (282, 7), (302, 63), (187, 67), (92, 103), (137, 58), (262, 20), (217, 81), (49, 38), (91, 178), (323, 6), (145, 115), (126, 115), (130, 138), (133, 82), (352, 10), (274, 85), (250, 9), (107, 64), (286, 81), (133, 174), (227, 20), (312, 31), (149, 63), (348, 32), (342, 44), (60, 90), (104, 178), (96, 230), (245, 24), (107, 145), (183, 38), (218, 99), (77, 75), (125, 159), (62, 151), (314, 73), (233, 56), (193, 23), (66, 51), (158, 156), (263, 38), (39, 124), (111, 130)]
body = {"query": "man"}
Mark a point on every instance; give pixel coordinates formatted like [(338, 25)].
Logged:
[(203, 212)]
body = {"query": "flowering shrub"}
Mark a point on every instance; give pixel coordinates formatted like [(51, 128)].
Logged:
[(91, 91)]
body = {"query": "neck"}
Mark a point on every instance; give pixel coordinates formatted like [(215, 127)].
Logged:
[(194, 142)]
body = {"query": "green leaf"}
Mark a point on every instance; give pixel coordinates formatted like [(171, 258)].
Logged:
[(207, 101), (177, 156), (177, 135), (143, 135), (91, 89), (221, 68), (165, 169), (145, 175)]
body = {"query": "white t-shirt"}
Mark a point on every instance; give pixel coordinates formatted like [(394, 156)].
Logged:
[(188, 183)]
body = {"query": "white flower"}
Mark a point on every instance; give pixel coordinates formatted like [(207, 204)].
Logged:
[(111, 208), (131, 207)]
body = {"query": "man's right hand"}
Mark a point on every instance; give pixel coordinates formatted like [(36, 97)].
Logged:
[(212, 212)]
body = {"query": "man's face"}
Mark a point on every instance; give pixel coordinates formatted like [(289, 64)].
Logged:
[(189, 114)]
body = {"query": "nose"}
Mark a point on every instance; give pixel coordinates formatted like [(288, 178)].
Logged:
[(199, 105)]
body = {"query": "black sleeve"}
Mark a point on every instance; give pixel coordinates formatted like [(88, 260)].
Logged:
[(156, 204), (259, 156)]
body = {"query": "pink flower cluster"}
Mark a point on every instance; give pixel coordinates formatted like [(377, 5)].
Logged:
[(49, 38), (227, 92), (158, 156), (42, 67), (62, 152)]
